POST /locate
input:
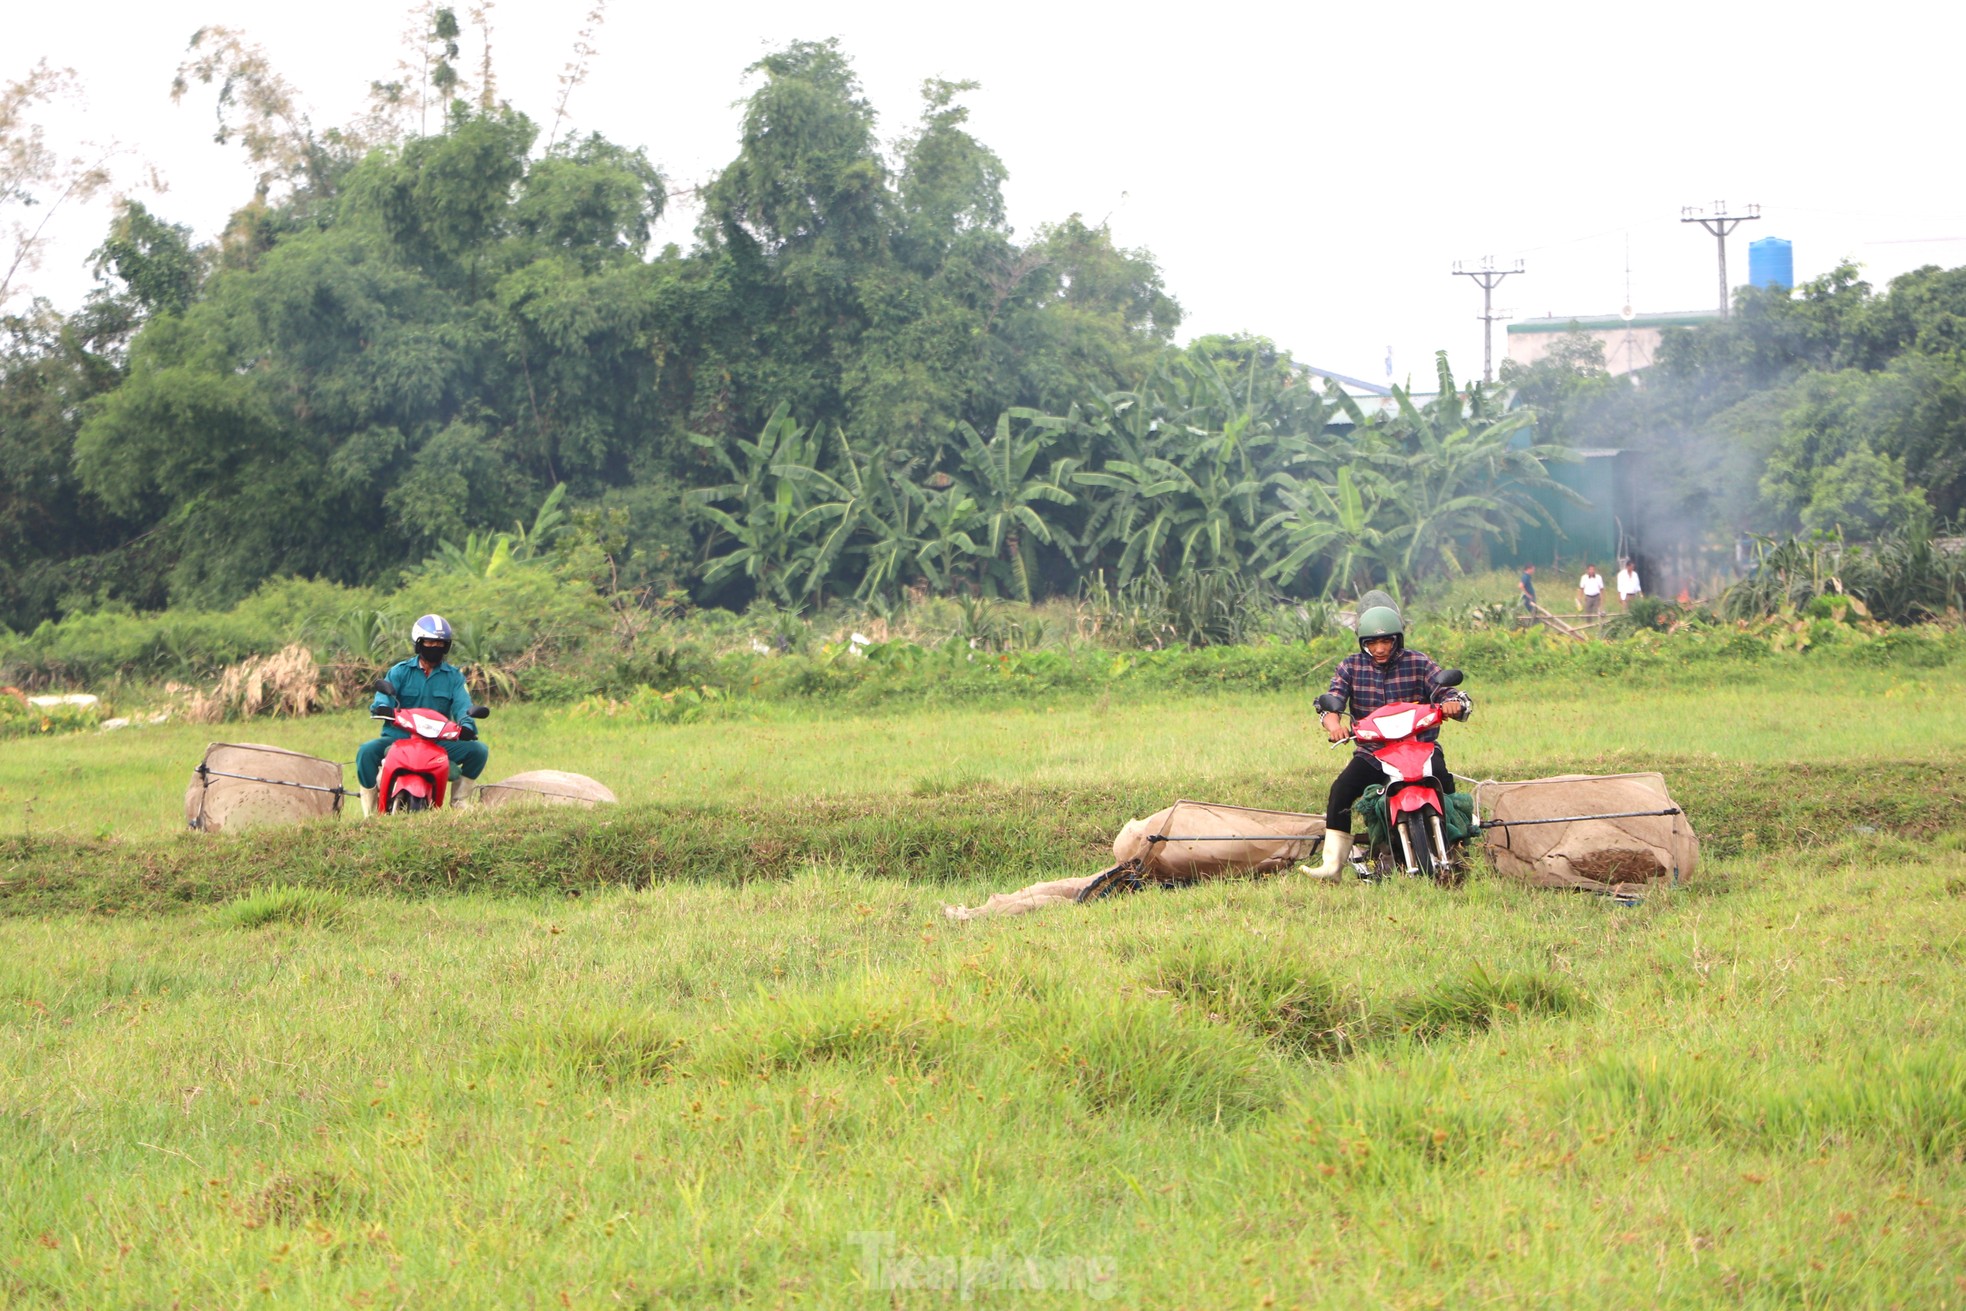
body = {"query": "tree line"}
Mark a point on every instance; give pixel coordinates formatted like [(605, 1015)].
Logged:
[(434, 326), (857, 380)]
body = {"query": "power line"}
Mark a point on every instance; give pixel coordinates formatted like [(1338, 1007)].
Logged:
[(1489, 277), (1720, 223)]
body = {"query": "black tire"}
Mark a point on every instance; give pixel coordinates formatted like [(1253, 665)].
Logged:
[(407, 803), (1422, 838)]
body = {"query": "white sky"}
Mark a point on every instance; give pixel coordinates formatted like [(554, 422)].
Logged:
[(1307, 171)]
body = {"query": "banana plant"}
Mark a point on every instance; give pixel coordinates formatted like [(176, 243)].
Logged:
[(528, 543), (1223, 489), (1141, 517), (761, 529), (1333, 530), (486, 554), (997, 475), (894, 527), (1203, 504), (1125, 431), (867, 508), (1462, 474), (950, 518)]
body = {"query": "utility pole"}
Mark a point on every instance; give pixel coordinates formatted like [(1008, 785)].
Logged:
[(1720, 223), (1489, 277)]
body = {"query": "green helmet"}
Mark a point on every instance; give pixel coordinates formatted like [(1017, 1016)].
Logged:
[(1382, 621)]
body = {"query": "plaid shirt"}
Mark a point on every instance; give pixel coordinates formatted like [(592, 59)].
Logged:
[(1368, 685)]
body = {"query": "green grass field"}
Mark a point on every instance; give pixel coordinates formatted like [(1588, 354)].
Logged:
[(769, 1072), (130, 783)]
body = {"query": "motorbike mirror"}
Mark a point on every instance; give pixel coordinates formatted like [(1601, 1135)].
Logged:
[(480, 712), (384, 686), (1331, 703), (1446, 678)]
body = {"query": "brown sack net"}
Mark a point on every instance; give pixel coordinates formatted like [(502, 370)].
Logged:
[(545, 787), (1598, 855), (296, 787), (1268, 840), (1175, 861)]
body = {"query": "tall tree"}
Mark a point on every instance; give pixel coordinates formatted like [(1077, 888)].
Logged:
[(38, 180)]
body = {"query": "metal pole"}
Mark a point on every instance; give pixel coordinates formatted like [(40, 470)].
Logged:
[(206, 771), (1720, 223), (1726, 301), (1489, 277), (1487, 332), (1575, 819), (1239, 837)]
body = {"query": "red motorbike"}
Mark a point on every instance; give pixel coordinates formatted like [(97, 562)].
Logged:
[(1415, 811), (416, 770)]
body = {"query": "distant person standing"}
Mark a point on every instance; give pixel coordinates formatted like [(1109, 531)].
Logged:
[(1590, 592), (1528, 587), (1627, 584)]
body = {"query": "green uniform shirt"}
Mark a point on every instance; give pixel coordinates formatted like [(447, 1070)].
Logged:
[(441, 690)]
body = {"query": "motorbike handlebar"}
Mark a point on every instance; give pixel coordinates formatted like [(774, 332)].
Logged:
[(463, 733)]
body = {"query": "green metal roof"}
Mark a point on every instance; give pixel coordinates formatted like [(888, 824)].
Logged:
[(1682, 319)]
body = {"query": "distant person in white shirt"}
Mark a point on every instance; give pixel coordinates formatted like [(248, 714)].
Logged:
[(1627, 584), (1590, 592)]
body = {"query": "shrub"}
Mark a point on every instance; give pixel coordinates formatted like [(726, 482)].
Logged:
[(18, 718)]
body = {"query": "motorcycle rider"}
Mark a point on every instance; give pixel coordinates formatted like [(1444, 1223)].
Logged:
[(426, 681), (1383, 671)]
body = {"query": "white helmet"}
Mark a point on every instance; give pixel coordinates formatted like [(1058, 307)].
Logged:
[(431, 634)]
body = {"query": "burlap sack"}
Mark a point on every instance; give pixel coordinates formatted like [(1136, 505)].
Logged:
[(213, 803), (545, 787), (1175, 861), (1599, 855), (1058, 892)]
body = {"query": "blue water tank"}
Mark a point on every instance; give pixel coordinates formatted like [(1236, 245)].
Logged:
[(1771, 263)]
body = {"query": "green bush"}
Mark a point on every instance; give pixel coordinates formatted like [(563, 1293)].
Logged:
[(19, 719), (535, 634), (516, 617)]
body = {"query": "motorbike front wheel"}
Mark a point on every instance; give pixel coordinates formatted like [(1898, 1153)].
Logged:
[(1419, 839), (405, 803)]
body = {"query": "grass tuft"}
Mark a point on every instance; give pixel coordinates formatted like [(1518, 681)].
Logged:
[(1660, 1099), (1912, 1104), (291, 1200), (1261, 989), (1154, 1059), (1476, 1000), (867, 1023), (604, 1046), (283, 905), (1365, 1130)]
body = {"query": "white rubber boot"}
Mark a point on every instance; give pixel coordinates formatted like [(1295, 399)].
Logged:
[(461, 791), (1337, 846), (368, 802)]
